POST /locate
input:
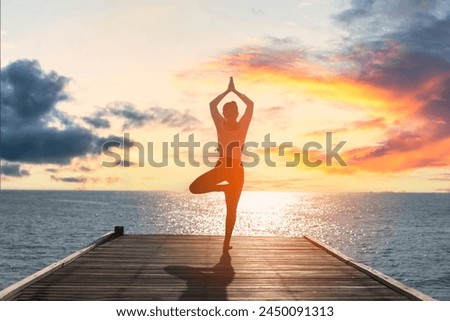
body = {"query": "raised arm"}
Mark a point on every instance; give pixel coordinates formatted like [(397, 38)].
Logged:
[(247, 117), (216, 116)]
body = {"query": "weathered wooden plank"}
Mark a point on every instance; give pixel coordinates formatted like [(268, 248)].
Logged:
[(172, 267)]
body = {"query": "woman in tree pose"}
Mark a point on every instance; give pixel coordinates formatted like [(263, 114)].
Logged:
[(231, 138)]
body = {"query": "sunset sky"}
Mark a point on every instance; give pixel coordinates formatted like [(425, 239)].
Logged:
[(376, 74)]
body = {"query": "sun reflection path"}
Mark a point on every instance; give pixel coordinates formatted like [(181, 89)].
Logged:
[(282, 214), (260, 213), (265, 213)]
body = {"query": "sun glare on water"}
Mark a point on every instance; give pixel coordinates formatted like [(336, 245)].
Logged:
[(266, 212), (275, 203)]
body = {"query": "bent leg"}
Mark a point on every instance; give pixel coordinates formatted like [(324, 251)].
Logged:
[(209, 182)]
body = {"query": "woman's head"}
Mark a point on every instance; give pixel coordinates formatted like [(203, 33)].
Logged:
[(230, 111)]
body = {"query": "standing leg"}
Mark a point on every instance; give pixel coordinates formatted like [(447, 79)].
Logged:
[(232, 196)]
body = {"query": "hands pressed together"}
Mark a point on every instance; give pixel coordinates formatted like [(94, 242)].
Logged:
[(231, 89)]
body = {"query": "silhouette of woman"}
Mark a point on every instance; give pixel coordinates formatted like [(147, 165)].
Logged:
[(231, 138)]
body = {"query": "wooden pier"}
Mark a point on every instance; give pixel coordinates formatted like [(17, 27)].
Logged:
[(192, 267)]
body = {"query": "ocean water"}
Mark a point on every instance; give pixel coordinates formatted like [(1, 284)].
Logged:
[(406, 236)]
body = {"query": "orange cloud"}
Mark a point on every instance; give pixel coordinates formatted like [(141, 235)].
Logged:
[(376, 123), (405, 96), (424, 154), (293, 70)]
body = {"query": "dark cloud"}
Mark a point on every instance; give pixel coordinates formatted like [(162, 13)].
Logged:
[(112, 141), (410, 56), (84, 169), (51, 170), (69, 179), (133, 118), (432, 38), (420, 26), (418, 75), (404, 71), (28, 100), (437, 109), (172, 118), (400, 142), (412, 77), (29, 97), (39, 145), (358, 9), (84, 179), (14, 170), (97, 121), (402, 47), (362, 15)]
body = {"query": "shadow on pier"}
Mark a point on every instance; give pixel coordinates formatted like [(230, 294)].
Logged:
[(205, 283)]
